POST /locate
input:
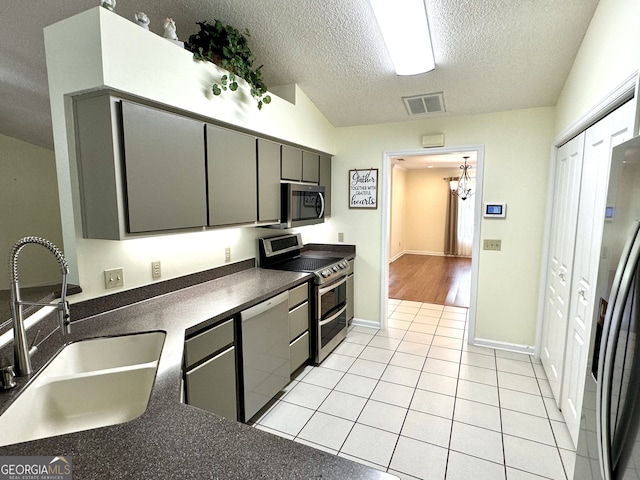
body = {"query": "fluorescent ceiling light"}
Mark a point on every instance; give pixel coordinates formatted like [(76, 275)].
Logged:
[(405, 30)]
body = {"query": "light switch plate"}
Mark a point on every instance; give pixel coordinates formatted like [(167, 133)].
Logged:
[(114, 278)]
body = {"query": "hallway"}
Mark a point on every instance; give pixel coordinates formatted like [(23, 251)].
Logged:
[(431, 279)]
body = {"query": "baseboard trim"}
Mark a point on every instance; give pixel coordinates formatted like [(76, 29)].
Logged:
[(426, 254), (509, 347), (360, 322)]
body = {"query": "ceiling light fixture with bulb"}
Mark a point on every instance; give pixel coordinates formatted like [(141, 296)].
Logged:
[(405, 29)]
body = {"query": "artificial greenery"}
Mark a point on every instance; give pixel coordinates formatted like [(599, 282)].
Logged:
[(227, 47)]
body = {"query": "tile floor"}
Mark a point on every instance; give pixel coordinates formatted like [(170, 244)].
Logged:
[(417, 401)]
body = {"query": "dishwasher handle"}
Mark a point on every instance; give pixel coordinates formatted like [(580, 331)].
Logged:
[(256, 310)]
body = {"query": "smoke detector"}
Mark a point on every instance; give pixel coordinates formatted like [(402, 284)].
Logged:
[(425, 104)]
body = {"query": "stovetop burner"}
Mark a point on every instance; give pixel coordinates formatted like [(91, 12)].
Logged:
[(307, 264)]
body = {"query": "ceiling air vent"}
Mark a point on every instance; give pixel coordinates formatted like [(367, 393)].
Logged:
[(425, 104)]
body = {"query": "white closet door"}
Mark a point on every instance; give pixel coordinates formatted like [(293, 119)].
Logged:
[(560, 267), (599, 141)]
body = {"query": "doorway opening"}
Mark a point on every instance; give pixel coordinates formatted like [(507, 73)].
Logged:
[(431, 237)]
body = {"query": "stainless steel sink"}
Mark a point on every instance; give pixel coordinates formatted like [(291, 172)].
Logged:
[(88, 384)]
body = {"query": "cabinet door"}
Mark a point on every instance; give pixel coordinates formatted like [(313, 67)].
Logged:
[(212, 385), (291, 163), (164, 169), (231, 171), (310, 167), (325, 181), (268, 181)]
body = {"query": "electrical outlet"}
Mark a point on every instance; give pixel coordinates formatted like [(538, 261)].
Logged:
[(492, 245), (341, 237), (156, 271), (114, 278), (227, 254)]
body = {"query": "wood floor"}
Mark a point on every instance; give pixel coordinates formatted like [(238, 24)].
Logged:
[(431, 279)]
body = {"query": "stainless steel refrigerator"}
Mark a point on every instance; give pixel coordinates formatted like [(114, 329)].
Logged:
[(609, 439)]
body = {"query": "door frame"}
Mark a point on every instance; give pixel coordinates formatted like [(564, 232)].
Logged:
[(386, 224)]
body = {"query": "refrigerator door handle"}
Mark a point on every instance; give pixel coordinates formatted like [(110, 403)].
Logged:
[(611, 330)]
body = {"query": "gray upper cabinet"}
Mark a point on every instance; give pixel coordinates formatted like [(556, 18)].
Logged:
[(268, 181), (231, 173), (164, 168), (310, 167), (140, 169), (291, 163), (325, 181)]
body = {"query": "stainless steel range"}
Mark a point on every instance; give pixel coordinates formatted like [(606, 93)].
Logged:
[(329, 325)]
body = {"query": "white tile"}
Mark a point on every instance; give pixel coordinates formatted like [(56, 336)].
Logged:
[(422, 328), (459, 324), (375, 354), (427, 428), (385, 342), (477, 349), (370, 444), (478, 392), (478, 360), (434, 382), (553, 412), (299, 374), (367, 368), (545, 388), (401, 375), (459, 316), (391, 333), (432, 306), (326, 430), (394, 301), (465, 467), (441, 367), (400, 316), (397, 323), (441, 353), (307, 395), (539, 371), (449, 332), (521, 383), (339, 362), (515, 366), (361, 461), (356, 385), (447, 342), (419, 459), (407, 360), (274, 432), (514, 474), (410, 303), (323, 377), (454, 309), (569, 461), (527, 426), (525, 455), (363, 329), (349, 349), (562, 435), (478, 414), (418, 337), (399, 395), (402, 475), (521, 357), (344, 405), (522, 402), (287, 418), (382, 415), (405, 308), (478, 374), (414, 348), (433, 403), (426, 318), (358, 337), (477, 441), (317, 446)]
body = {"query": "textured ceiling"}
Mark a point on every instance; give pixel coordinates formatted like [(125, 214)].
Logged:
[(491, 55)]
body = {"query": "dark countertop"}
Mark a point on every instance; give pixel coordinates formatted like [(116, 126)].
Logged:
[(171, 439)]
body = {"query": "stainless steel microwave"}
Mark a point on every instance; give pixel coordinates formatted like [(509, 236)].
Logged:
[(301, 204)]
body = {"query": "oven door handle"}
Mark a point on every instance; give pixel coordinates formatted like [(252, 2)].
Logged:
[(328, 288), (333, 317)]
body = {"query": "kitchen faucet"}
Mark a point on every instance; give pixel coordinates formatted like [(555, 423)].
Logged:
[(21, 352)]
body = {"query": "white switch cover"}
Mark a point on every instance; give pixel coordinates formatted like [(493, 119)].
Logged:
[(114, 278)]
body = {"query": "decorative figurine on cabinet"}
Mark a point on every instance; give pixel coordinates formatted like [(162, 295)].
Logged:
[(142, 20), (170, 32), (109, 4)]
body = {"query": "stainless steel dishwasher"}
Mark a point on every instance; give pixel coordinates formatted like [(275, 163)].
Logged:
[(265, 352)]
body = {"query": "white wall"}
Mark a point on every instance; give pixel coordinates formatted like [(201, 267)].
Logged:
[(397, 219), (98, 48), (609, 54), (28, 206), (516, 161)]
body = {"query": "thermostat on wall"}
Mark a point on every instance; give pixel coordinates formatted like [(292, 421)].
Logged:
[(495, 210)]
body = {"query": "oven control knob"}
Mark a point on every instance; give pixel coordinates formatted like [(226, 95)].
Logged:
[(335, 268), (325, 273)]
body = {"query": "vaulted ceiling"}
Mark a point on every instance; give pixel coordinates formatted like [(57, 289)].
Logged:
[(491, 55)]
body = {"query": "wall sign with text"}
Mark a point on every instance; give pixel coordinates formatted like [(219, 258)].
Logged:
[(363, 188)]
